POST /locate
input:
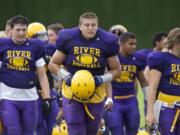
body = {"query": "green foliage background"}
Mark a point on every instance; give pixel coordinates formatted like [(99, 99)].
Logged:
[(143, 17)]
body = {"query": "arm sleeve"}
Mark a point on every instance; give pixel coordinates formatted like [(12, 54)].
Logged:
[(40, 49), (40, 62), (140, 64), (113, 49), (61, 44), (156, 61)]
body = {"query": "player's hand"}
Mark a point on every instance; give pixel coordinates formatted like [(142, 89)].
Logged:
[(177, 105), (46, 105), (98, 81), (108, 104), (69, 79), (150, 119)]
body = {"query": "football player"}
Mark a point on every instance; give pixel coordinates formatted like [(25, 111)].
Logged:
[(158, 42), (53, 30), (21, 60), (89, 48), (125, 110), (164, 77), (46, 118)]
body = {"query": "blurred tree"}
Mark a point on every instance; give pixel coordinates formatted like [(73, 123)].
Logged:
[(143, 17)]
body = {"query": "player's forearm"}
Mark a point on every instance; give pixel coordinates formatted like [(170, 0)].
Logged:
[(142, 79), (53, 67), (45, 88), (115, 72), (44, 83), (151, 97), (109, 90), (154, 80), (115, 67)]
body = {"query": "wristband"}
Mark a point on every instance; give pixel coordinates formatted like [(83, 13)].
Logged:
[(107, 77), (108, 101), (63, 73)]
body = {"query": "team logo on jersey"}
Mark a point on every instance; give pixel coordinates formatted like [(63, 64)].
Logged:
[(18, 61), (86, 57), (125, 76), (176, 76), (175, 71)]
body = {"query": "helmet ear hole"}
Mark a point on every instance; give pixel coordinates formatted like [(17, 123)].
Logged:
[(83, 85), (60, 129), (64, 127)]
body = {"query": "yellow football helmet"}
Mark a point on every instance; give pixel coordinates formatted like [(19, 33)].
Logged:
[(149, 130), (83, 85), (102, 127), (60, 129), (143, 132), (37, 30)]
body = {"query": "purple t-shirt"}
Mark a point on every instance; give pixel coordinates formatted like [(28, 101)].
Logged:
[(18, 62), (169, 66), (124, 84), (142, 56), (85, 54)]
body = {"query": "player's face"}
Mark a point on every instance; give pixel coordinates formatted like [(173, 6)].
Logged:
[(19, 33), (88, 27), (52, 36), (161, 44), (177, 48), (129, 46)]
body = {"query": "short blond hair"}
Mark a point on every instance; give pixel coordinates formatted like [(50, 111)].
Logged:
[(173, 38), (88, 15)]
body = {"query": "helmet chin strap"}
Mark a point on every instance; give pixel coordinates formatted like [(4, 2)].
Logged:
[(175, 120), (85, 101), (88, 112)]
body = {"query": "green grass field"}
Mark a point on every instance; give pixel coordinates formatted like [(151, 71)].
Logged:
[(140, 97)]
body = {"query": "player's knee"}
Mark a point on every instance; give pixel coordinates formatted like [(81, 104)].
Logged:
[(92, 131), (76, 130), (13, 131), (72, 120), (73, 117), (132, 129), (134, 125), (132, 132), (28, 129), (114, 124)]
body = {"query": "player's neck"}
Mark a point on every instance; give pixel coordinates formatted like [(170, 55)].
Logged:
[(156, 49), (175, 52), (18, 42), (123, 53)]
